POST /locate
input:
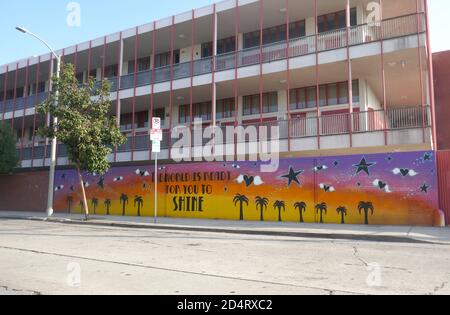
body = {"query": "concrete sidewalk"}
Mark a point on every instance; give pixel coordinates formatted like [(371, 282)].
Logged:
[(400, 234)]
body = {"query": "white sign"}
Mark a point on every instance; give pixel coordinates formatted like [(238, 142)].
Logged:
[(156, 146), (156, 135), (156, 123)]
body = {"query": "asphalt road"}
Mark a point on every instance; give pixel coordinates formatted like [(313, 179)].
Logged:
[(52, 258)]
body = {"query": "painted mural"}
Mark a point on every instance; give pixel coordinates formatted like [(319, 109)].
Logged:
[(398, 188)]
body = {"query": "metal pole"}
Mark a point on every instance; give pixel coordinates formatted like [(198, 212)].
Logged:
[(156, 187), (51, 179)]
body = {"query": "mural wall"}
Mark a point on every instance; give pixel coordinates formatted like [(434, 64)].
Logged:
[(399, 188)]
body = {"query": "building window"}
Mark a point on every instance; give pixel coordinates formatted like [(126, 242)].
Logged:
[(111, 71), (142, 64), (252, 104), (225, 108), (80, 77), (160, 113), (329, 95), (224, 46), (163, 60), (93, 74), (41, 87), (140, 121), (199, 111), (275, 34), (335, 21)]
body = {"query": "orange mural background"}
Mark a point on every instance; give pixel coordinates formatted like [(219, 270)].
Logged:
[(398, 189)]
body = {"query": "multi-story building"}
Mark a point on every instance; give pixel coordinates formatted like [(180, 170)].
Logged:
[(332, 74), (339, 77)]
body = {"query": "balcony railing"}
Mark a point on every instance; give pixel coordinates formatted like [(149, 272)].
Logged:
[(360, 34), (19, 104), (401, 118)]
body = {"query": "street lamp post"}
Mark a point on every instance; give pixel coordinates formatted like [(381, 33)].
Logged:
[(51, 180)]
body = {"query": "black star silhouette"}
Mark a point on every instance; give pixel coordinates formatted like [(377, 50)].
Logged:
[(427, 157), (363, 166), (424, 188), (293, 176)]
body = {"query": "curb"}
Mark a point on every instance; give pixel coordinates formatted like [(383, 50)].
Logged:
[(236, 231)]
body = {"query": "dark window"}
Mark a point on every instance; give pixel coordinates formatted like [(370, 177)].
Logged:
[(80, 77), (329, 95), (334, 21), (275, 34), (161, 113), (163, 60), (199, 111), (252, 104), (225, 108), (224, 46), (140, 121), (141, 65), (93, 74), (111, 71)]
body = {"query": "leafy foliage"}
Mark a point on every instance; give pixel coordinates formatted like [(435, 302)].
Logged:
[(8, 154), (83, 123)]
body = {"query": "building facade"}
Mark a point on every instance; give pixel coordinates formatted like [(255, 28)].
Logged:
[(347, 77), (441, 66)]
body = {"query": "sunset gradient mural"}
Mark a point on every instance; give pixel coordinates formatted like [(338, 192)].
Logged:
[(397, 188)]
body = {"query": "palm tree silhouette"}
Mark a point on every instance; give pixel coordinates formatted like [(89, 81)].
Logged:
[(321, 207), (241, 199), (94, 203), (69, 203), (108, 205), (366, 207), (301, 206), (262, 204), (124, 201), (342, 211), (139, 202), (279, 205)]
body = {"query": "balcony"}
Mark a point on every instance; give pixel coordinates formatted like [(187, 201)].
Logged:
[(404, 126), (360, 34), (19, 104)]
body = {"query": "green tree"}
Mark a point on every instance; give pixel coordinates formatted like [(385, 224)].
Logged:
[(108, 204), (342, 211), (139, 203), (8, 153), (84, 126), (321, 208), (261, 205), (366, 207), (301, 207), (241, 199), (279, 205)]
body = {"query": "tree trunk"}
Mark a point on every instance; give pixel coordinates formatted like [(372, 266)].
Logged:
[(85, 204)]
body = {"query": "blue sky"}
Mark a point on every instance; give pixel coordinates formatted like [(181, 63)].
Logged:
[(99, 17)]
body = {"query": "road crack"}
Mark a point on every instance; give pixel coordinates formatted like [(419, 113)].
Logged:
[(356, 255), (17, 291)]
